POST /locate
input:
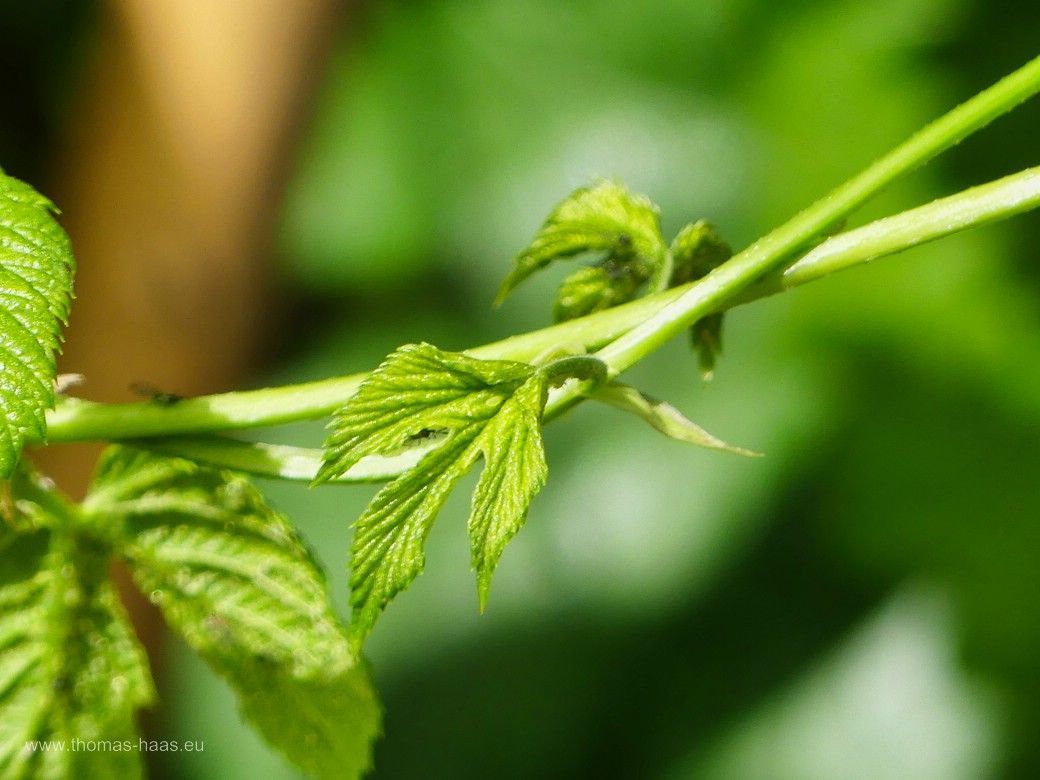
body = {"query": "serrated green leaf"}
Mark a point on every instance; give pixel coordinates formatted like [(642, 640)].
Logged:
[(386, 554), (231, 575), (71, 667), (36, 269), (605, 217), (514, 472), (697, 250), (595, 288), (663, 417), (418, 391), (489, 408)]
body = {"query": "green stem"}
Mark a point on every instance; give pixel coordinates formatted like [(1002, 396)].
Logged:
[(651, 322), (977, 206), (997, 200), (77, 420), (777, 248), (583, 367), (276, 460)]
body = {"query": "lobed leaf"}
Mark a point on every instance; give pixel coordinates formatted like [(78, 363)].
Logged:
[(71, 667), (231, 575), (36, 270), (605, 217), (416, 392), (484, 408)]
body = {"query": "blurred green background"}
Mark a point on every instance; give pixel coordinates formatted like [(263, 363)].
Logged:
[(864, 601)]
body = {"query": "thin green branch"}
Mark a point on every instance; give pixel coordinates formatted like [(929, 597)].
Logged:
[(276, 460), (780, 246), (971, 208), (981, 205), (646, 324), (77, 420)]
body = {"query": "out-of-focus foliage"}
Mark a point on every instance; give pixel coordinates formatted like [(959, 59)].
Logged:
[(667, 612), (230, 575), (72, 668), (233, 578), (858, 603)]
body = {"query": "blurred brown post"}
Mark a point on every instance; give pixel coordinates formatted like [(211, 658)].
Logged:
[(169, 184)]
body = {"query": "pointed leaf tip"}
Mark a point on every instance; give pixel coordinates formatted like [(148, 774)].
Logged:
[(665, 418)]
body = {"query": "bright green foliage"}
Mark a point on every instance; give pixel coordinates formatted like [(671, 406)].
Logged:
[(514, 471), (489, 408), (231, 576), (387, 551), (605, 217), (596, 287), (71, 667), (663, 417), (608, 218), (416, 392), (36, 269), (696, 251)]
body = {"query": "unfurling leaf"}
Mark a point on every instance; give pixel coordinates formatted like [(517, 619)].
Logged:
[(482, 407), (595, 288), (696, 251), (231, 575), (36, 269), (606, 218), (664, 417), (71, 668), (706, 341)]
